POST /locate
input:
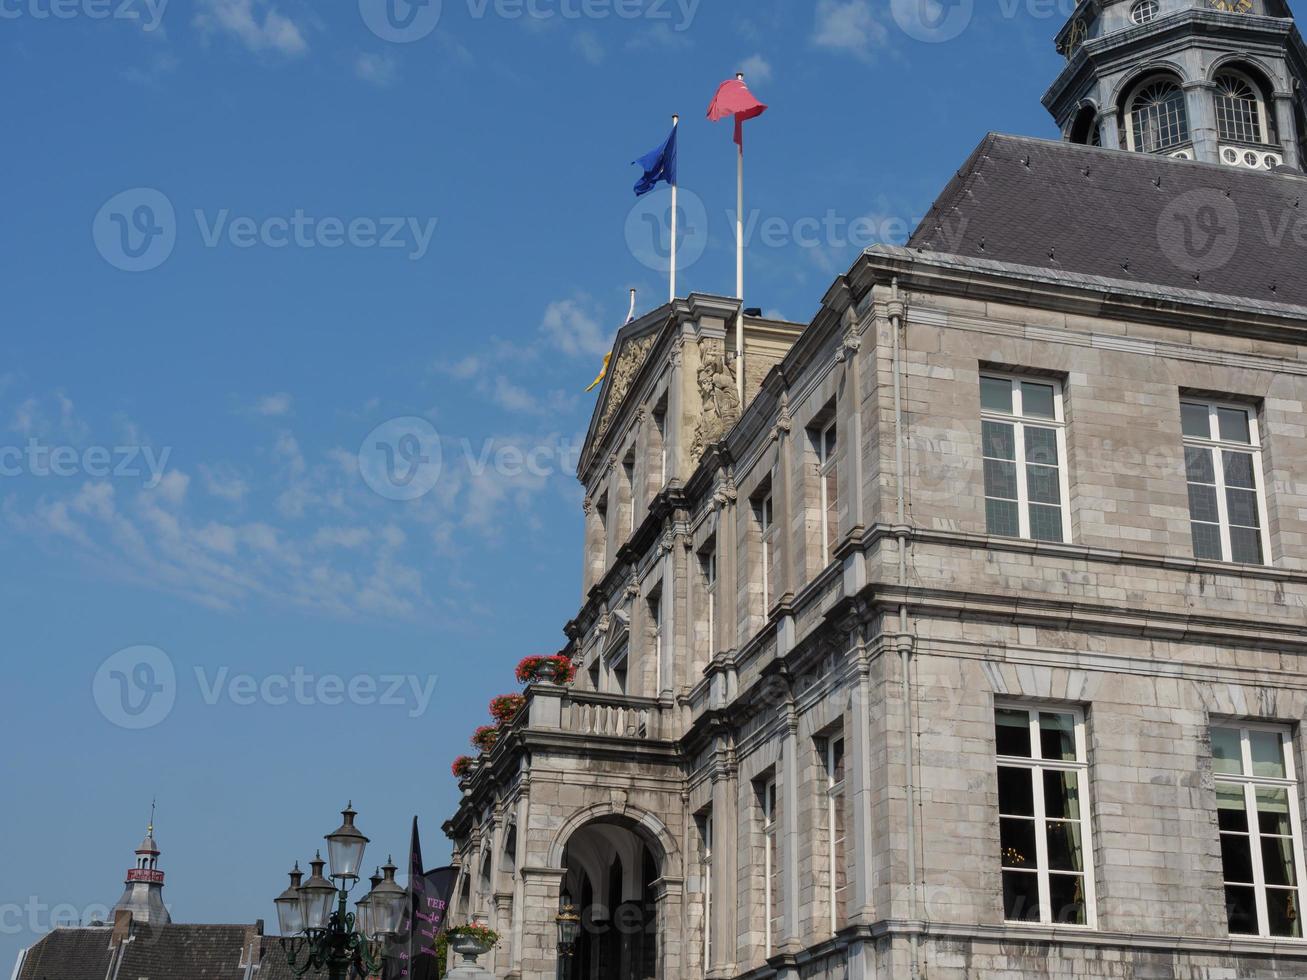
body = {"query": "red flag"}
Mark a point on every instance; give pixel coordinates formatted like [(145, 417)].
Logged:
[(735, 99)]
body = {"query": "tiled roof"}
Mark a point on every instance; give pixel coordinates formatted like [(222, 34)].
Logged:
[(172, 952), (1129, 216), (69, 954), (185, 952)]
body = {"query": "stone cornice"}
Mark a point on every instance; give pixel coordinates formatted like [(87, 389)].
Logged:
[(1085, 295)]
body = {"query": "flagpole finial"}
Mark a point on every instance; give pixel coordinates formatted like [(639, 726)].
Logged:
[(676, 118)]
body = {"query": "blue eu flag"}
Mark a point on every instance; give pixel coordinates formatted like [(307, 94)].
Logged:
[(659, 165)]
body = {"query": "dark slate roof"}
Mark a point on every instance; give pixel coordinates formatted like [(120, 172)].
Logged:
[(185, 952), (1126, 216), (69, 954)]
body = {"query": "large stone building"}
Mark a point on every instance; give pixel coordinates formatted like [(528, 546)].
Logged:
[(966, 643)]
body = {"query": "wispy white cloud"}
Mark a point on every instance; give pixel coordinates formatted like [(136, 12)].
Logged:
[(573, 327), (757, 69), (223, 482), (380, 70), (272, 406), (849, 26), (589, 47), (256, 24)]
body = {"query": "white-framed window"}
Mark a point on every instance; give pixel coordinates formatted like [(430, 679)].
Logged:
[(771, 867), (706, 832), (708, 569), (1159, 116), (1240, 113), (1260, 828), (825, 442), (1223, 466), (1043, 803), (765, 513), (1144, 12), (1024, 445), (837, 836)]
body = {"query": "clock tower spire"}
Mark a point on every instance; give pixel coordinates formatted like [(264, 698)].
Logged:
[(1221, 81)]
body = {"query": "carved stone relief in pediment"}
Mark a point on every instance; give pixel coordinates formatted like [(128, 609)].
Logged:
[(627, 367)]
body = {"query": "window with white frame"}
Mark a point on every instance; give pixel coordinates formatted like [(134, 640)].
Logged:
[(765, 514), (706, 831), (1159, 116), (708, 571), (1261, 833), (1024, 446), (828, 491), (771, 866), (837, 837), (1043, 808), (1144, 12), (1223, 464), (1240, 114)]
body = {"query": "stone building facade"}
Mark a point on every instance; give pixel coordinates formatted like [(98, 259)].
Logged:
[(966, 643)]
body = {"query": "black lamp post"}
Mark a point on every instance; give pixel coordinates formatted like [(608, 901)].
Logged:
[(317, 936)]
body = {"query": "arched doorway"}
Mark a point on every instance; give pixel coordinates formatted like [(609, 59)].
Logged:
[(611, 871)]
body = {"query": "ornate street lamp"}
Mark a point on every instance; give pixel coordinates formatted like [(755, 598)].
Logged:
[(318, 930), (569, 930)]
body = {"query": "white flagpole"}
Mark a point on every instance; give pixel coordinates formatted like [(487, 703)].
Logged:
[(676, 121), (631, 313), (739, 267)]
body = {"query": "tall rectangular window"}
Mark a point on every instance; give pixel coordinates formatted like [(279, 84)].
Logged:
[(628, 475), (771, 866), (1223, 463), (1261, 835), (765, 514), (706, 830), (660, 435), (708, 569), (1024, 445), (828, 489), (656, 621), (1044, 815), (836, 855)]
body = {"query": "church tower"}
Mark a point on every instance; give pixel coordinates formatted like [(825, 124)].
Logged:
[(1221, 81), (143, 896)]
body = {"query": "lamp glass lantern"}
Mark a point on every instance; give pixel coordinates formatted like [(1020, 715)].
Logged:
[(569, 926), (345, 847), (316, 897), (387, 906), (290, 916)]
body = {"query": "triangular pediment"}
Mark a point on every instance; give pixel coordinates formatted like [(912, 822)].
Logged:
[(631, 350)]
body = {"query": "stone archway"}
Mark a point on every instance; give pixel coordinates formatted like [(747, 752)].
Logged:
[(615, 868)]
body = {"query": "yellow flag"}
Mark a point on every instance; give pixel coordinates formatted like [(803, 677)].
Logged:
[(602, 374)]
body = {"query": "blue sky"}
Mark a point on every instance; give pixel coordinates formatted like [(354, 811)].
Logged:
[(261, 265)]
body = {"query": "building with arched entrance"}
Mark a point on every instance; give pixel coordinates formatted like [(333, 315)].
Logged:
[(962, 638)]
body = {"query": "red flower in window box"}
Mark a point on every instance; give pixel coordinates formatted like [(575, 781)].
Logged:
[(485, 737), (505, 707), (557, 669), (462, 767)]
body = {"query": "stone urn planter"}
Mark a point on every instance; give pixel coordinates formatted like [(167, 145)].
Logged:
[(471, 946)]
